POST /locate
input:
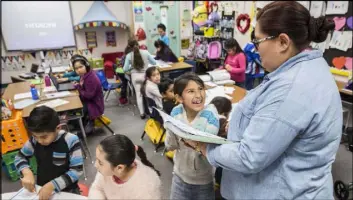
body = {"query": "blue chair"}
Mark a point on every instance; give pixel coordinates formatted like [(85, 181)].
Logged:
[(107, 87)]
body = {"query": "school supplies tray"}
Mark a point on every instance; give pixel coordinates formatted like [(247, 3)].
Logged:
[(8, 165), (13, 132)]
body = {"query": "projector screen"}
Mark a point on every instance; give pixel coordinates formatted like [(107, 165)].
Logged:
[(36, 25)]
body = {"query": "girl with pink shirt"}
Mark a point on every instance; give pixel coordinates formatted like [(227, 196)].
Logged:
[(235, 62), (120, 175)]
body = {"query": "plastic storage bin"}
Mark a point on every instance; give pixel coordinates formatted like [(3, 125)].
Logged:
[(96, 62), (8, 165), (14, 133)]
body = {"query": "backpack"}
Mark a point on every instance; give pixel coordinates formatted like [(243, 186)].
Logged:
[(201, 50), (214, 50)]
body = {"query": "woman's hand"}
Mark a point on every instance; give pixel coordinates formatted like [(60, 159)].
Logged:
[(197, 146)]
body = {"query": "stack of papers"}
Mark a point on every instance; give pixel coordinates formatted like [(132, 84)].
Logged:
[(218, 77), (24, 194), (54, 103), (218, 91), (187, 132)]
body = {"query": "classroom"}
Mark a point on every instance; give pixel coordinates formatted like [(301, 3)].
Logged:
[(176, 100)]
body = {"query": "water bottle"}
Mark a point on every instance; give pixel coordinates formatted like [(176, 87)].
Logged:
[(34, 92), (47, 81)]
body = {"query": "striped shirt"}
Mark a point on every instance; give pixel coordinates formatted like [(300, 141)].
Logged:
[(65, 166)]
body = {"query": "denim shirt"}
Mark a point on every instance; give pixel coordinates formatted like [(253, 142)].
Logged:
[(286, 132)]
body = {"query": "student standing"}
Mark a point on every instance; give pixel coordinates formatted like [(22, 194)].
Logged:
[(162, 33), (193, 177), (164, 53), (136, 63), (58, 154)]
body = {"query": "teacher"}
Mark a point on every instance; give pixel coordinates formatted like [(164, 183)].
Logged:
[(288, 129)]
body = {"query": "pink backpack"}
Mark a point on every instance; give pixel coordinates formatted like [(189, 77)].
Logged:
[(214, 50)]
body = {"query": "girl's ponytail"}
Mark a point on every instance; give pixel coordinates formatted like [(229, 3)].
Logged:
[(141, 153)]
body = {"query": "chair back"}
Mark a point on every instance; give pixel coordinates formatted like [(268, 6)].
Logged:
[(149, 103), (103, 79)]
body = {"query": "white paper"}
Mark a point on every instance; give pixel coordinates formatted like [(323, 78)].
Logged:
[(57, 69), (219, 75), (24, 194), (24, 103), (54, 103), (337, 7), (328, 39), (317, 8), (215, 92), (49, 89), (58, 94), (205, 78), (24, 95), (224, 82), (229, 90), (341, 40), (210, 83)]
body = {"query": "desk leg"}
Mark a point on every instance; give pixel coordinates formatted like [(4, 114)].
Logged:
[(85, 138)]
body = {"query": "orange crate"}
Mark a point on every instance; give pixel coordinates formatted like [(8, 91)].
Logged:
[(14, 133)]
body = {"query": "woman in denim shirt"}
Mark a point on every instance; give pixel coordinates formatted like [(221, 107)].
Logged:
[(286, 131)]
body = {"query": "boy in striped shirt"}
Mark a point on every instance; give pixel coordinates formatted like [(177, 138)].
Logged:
[(58, 154)]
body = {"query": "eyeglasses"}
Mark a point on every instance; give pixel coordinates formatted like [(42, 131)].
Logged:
[(256, 42)]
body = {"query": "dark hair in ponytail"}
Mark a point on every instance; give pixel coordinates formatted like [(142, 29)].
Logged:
[(120, 150), (141, 153), (149, 73), (138, 63)]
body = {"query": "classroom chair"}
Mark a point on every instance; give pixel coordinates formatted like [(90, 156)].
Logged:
[(154, 130), (107, 87), (105, 124)]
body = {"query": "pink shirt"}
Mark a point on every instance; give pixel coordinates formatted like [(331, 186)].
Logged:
[(238, 64)]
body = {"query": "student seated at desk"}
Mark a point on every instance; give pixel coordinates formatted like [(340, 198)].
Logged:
[(164, 53), (120, 175), (90, 90), (58, 154), (166, 88), (150, 86), (69, 75)]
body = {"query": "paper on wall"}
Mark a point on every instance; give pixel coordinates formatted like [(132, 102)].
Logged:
[(341, 40), (337, 7), (317, 8), (306, 4)]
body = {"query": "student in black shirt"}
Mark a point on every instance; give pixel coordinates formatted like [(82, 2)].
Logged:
[(166, 87)]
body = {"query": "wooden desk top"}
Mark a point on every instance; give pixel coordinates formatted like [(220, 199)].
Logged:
[(238, 94), (17, 88), (176, 66), (341, 83), (75, 103)]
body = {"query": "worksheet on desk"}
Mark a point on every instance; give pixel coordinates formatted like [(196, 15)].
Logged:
[(24, 194)]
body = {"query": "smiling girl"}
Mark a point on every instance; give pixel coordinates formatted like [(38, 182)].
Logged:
[(120, 175), (193, 177)]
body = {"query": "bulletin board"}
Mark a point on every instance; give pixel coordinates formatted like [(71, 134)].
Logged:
[(332, 53)]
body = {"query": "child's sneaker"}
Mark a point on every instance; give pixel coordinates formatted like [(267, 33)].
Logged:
[(122, 100)]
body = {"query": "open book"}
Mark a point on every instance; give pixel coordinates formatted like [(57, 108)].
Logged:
[(187, 132), (219, 75)]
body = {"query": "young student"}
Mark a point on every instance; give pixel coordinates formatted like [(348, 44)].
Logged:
[(164, 52), (69, 75), (166, 88), (58, 155), (193, 177), (224, 107), (150, 86), (120, 175), (136, 63), (235, 62), (90, 90), (162, 33)]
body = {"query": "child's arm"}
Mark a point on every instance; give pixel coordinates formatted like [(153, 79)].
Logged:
[(127, 63), (74, 78), (76, 164), (241, 65), (97, 190), (151, 59), (22, 166), (208, 121), (68, 74)]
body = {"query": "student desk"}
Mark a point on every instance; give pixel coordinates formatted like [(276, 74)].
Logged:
[(238, 94), (74, 99), (176, 66)]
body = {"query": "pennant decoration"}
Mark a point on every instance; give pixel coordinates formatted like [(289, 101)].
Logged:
[(91, 50), (33, 55), (80, 52), (16, 58), (101, 23), (3, 59), (10, 58), (22, 57)]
